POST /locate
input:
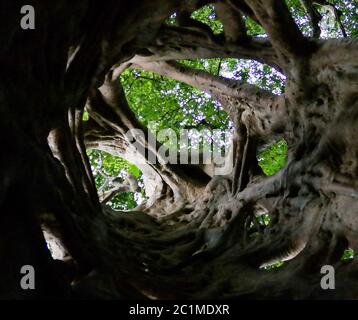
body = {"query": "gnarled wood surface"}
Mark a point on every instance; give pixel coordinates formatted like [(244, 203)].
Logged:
[(191, 239)]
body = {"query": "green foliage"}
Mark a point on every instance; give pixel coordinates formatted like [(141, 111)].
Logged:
[(300, 16), (264, 219), (123, 201), (349, 9), (273, 266), (161, 103), (329, 25), (207, 15), (111, 165), (105, 167), (132, 169), (260, 75), (85, 116), (273, 158), (254, 29), (348, 254)]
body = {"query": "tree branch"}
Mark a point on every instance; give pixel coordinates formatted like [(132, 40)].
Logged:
[(176, 43), (263, 111), (209, 83), (337, 14), (314, 16), (109, 108), (232, 20), (284, 34)]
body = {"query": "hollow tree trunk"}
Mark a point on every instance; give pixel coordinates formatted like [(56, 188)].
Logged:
[(45, 172), (203, 251)]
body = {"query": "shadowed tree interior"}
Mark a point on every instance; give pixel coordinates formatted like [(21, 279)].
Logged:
[(83, 202)]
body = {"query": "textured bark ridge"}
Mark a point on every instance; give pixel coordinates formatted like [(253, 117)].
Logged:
[(191, 239)]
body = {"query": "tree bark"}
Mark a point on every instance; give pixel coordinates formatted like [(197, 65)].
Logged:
[(198, 236)]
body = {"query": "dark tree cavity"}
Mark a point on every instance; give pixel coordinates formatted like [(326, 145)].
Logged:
[(192, 237)]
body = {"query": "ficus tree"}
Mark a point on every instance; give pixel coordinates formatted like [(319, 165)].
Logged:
[(280, 76)]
